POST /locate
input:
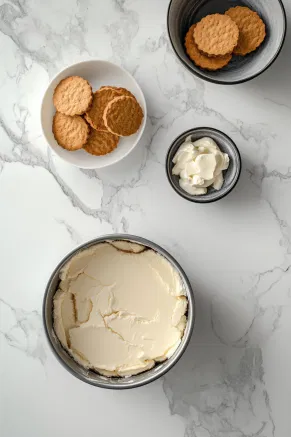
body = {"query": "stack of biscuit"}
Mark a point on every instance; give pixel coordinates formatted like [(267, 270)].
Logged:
[(213, 41), (93, 121)]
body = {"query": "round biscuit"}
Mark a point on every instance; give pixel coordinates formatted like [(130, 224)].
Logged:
[(216, 35), (252, 29), (122, 91), (101, 143), (202, 61), (70, 132), (101, 98), (73, 96), (123, 116)]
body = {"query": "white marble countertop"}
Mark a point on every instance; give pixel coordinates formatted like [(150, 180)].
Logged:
[(234, 380)]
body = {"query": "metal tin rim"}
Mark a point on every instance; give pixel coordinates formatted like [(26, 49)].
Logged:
[(166, 365)]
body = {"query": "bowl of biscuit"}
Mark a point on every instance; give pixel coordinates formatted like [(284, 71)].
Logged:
[(227, 41), (93, 114)]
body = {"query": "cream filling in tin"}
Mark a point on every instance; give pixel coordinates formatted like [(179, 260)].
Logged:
[(120, 308)]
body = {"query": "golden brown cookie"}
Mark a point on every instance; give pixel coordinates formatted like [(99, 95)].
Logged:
[(70, 132), (123, 116), (101, 99), (122, 91), (125, 92), (252, 29), (216, 35), (214, 63), (101, 143), (73, 96)]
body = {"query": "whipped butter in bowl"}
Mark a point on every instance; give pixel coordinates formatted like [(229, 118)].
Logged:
[(118, 312), (200, 165), (203, 165)]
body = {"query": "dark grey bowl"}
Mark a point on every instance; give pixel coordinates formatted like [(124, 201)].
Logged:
[(231, 175), (183, 13)]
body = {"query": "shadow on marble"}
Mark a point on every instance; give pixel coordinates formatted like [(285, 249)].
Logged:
[(246, 195), (129, 168), (274, 84), (218, 386)]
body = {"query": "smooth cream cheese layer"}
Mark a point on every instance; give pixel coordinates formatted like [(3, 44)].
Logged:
[(120, 308)]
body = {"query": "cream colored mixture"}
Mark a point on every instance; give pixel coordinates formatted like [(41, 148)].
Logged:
[(200, 165), (120, 308)]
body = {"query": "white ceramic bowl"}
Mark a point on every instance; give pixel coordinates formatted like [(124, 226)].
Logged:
[(98, 73)]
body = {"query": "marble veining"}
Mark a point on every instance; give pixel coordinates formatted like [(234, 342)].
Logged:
[(234, 379)]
